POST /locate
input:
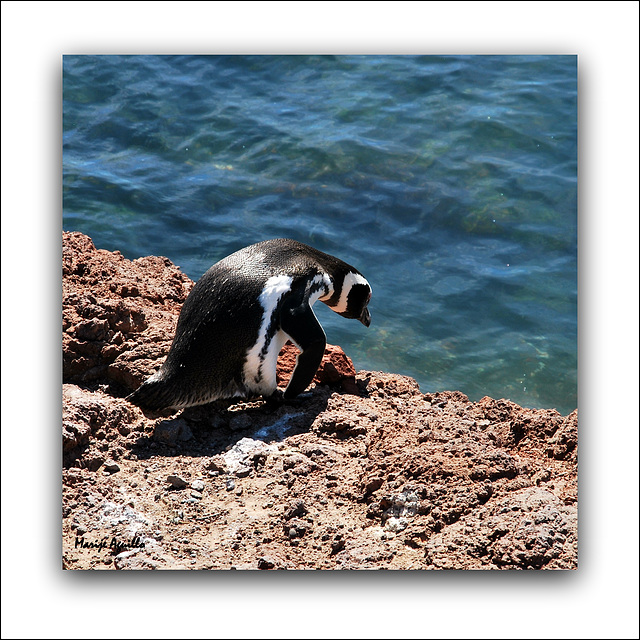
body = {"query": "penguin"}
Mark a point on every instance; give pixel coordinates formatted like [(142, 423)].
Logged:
[(239, 315)]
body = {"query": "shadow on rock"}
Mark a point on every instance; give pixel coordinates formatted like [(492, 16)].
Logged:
[(213, 429)]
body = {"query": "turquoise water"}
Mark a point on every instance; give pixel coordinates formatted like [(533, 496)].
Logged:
[(450, 182)]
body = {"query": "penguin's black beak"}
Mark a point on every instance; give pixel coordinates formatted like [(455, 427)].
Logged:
[(365, 318)]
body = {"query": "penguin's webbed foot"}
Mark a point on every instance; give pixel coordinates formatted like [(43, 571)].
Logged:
[(275, 400), (278, 398)]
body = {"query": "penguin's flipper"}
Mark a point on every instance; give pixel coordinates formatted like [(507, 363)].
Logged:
[(301, 325)]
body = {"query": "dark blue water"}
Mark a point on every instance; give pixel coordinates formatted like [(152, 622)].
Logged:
[(450, 182)]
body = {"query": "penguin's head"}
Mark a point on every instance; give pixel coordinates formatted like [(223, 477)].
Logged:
[(354, 299)]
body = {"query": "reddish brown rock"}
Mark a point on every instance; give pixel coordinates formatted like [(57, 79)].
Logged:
[(379, 475), (336, 368), (118, 316)]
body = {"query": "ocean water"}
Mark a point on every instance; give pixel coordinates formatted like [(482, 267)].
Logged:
[(449, 181)]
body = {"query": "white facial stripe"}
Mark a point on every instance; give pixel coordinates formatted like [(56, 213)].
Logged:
[(350, 280), (264, 366)]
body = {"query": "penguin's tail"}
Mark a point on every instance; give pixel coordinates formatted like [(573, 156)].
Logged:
[(153, 395)]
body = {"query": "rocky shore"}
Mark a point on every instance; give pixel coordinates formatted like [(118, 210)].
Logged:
[(363, 472)]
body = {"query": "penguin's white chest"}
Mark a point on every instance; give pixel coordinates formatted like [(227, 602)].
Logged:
[(259, 371)]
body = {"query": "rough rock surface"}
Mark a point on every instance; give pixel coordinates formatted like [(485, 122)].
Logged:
[(362, 472)]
